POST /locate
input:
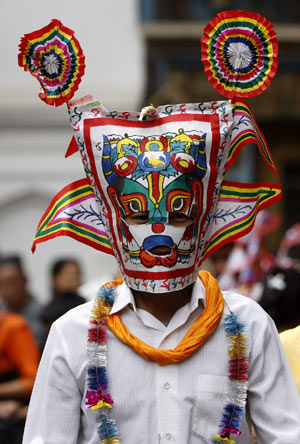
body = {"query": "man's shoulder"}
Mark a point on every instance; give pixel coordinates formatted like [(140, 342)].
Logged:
[(244, 306), (76, 317)]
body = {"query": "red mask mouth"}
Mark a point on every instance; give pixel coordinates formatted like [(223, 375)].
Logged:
[(149, 261)]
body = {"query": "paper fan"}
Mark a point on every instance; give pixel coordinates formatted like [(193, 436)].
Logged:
[(239, 53), (54, 56)]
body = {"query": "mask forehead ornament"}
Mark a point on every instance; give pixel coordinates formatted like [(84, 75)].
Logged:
[(155, 193)]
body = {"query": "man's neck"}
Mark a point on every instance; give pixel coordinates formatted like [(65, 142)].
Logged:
[(163, 305)]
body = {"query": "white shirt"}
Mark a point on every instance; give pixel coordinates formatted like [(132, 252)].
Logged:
[(175, 404)]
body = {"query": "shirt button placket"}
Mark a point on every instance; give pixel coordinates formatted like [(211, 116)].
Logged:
[(167, 386), (167, 401)]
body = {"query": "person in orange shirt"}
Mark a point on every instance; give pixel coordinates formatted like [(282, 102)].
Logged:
[(19, 359)]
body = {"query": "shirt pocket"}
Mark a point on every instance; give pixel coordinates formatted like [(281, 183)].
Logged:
[(207, 414)]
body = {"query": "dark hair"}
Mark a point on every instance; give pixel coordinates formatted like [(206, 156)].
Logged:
[(280, 297), (12, 260), (294, 252), (58, 265)]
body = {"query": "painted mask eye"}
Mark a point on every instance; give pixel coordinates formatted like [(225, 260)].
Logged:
[(178, 200), (134, 206), (178, 204)]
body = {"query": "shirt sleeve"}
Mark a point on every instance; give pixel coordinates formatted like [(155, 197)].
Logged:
[(273, 399), (55, 405)]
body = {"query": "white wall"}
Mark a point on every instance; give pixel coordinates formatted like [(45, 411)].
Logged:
[(34, 136), (109, 34)]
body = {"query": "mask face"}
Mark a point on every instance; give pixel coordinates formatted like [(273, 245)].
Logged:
[(158, 203), (155, 187), (155, 183), (155, 194)]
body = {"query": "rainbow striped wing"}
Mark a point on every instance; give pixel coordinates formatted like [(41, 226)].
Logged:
[(73, 212), (239, 53), (236, 211), (246, 131), (54, 56)]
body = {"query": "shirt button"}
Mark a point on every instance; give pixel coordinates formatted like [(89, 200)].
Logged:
[(167, 386), (168, 436)]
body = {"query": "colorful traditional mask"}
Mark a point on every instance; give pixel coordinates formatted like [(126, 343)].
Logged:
[(155, 194), (155, 181)]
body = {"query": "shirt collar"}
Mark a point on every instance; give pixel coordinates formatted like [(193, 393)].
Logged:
[(124, 297)]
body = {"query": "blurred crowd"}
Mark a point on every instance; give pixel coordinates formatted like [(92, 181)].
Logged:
[(273, 280), (246, 266), (24, 326)]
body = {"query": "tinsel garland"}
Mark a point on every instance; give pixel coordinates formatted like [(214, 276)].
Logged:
[(238, 367), (97, 380)]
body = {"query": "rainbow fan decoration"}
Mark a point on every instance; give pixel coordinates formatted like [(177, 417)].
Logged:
[(54, 56), (239, 53), (73, 212)]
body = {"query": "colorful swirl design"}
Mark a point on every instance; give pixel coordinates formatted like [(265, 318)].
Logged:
[(154, 161), (239, 53), (183, 162), (125, 165), (54, 56)]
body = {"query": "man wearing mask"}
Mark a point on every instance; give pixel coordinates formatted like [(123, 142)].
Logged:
[(166, 356)]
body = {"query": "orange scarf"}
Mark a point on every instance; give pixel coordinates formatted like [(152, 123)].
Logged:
[(196, 336)]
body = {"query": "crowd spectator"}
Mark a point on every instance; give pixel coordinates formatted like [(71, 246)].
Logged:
[(281, 297), (19, 358), (16, 297), (282, 285), (66, 278)]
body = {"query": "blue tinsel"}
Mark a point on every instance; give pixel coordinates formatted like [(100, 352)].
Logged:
[(97, 377), (233, 326), (107, 294), (230, 416), (107, 427)]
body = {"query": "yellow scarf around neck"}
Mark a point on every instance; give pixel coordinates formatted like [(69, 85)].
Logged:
[(196, 336)]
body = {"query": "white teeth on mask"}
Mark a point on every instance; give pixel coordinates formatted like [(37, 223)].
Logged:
[(182, 260), (134, 260)]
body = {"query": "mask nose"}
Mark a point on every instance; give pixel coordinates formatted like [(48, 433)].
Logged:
[(158, 228)]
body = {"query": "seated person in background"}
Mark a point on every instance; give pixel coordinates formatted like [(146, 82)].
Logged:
[(16, 297), (66, 278), (19, 358)]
